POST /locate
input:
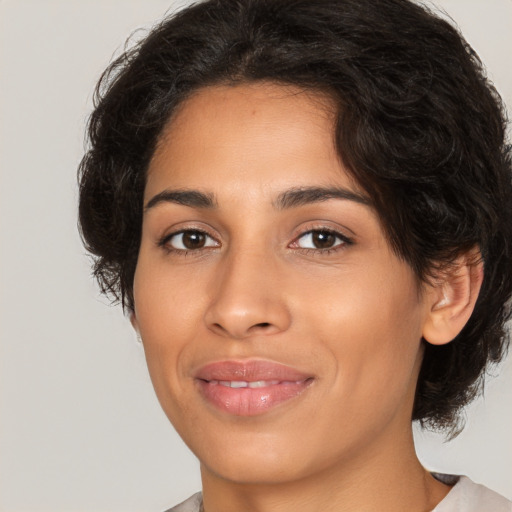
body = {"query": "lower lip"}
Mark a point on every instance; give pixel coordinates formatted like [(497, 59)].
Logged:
[(251, 401)]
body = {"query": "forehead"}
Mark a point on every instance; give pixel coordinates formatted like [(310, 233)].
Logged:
[(248, 137), (251, 105)]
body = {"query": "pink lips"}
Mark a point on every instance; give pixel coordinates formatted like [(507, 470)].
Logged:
[(249, 388)]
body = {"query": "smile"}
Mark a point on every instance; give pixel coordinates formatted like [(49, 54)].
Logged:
[(246, 384), (250, 388)]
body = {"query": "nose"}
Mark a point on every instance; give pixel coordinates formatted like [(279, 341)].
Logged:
[(247, 297)]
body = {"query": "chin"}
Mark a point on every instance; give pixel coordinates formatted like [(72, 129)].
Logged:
[(248, 456), (251, 468)]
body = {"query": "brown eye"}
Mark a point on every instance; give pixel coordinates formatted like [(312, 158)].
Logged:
[(321, 239), (190, 240), (193, 239)]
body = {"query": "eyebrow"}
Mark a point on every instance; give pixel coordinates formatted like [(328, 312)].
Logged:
[(192, 198), (291, 198), (301, 196)]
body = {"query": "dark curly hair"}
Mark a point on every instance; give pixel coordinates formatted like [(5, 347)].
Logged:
[(419, 127)]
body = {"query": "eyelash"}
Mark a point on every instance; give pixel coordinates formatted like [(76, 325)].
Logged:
[(344, 241), (165, 241)]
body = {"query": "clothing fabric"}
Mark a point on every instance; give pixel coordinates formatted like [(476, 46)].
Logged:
[(465, 496), (193, 504)]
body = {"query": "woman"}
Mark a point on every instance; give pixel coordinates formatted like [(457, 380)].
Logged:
[(305, 208)]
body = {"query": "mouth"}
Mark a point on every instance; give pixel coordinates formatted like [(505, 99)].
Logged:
[(245, 384), (249, 388)]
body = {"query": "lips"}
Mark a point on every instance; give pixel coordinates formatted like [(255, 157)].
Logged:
[(248, 388)]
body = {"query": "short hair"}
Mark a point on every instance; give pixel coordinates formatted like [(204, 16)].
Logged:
[(418, 125)]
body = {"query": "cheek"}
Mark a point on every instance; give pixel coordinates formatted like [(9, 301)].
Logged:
[(166, 313), (167, 302), (371, 325)]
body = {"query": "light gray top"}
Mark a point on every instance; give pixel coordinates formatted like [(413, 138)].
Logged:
[(465, 496)]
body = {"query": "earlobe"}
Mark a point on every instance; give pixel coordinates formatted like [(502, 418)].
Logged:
[(135, 325), (452, 299), (134, 322)]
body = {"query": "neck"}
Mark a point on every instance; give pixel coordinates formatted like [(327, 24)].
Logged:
[(390, 479)]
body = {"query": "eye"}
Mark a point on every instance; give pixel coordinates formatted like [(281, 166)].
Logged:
[(189, 240), (321, 239)]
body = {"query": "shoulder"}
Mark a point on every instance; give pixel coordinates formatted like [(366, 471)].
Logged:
[(193, 504), (467, 496)]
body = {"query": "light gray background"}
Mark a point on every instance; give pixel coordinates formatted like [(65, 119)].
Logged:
[(80, 428)]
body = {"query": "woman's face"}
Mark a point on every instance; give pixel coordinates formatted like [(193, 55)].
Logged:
[(281, 332)]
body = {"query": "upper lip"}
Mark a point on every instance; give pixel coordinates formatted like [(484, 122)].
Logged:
[(249, 371)]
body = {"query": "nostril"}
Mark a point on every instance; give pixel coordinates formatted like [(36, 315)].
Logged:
[(262, 324)]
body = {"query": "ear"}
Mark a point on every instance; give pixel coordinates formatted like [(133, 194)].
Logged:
[(134, 322), (451, 299), (135, 325)]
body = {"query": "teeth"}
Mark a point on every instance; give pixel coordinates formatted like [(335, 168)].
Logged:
[(234, 383), (258, 384), (262, 383), (245, 384), (239, 384)]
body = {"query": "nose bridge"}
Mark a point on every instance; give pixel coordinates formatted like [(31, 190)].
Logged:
[(246, 296)]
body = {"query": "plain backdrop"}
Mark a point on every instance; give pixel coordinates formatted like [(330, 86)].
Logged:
[(80, 428)]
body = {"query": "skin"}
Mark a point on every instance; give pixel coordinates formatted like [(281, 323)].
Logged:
[(351, 316)]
